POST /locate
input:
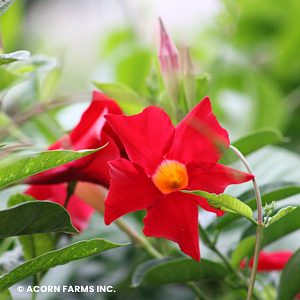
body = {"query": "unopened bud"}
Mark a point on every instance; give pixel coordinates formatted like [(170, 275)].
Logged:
[(169, 64)]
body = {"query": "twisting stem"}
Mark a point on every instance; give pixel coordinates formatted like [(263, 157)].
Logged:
[(256, 189), (259, 228)]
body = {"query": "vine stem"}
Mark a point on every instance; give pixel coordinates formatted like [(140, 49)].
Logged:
[(138, 239), (255, 185), (259, 227)]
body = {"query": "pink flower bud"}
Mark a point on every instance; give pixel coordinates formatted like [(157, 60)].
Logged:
[(168, 54), (169, 64)]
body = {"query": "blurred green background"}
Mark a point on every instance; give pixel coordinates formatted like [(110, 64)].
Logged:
[(248, 51)]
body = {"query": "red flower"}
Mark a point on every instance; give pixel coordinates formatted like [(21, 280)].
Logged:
[(79, 211), (273, 261), (91, 132), (165, 160)]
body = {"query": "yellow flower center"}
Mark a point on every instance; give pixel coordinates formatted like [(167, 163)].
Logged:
[(170, 176)]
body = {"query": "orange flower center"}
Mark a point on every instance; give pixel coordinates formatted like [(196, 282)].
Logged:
[(170, 176)]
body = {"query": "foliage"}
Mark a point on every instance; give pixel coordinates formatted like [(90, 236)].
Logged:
[(250, 70)]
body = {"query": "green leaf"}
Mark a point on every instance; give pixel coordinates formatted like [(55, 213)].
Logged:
[(4, 5), (252, 142), (244, 249), (35, 217), (37, 244), (128, 99), (14, 56), (289, 284), (19, 166), (281, 213), (282, 227), (55, 258), (166, 270), (226, 203), (270, 192)]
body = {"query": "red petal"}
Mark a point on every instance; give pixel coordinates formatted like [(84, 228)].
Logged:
[(213, 178), (199, 136), (80, 212), (273, 261), (147, 137), (87, 135), (175, 217), (90, 116), (130, 190)]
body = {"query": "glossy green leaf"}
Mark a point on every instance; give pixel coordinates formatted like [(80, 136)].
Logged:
[(4, 5), (270, 192), (165, 271), (225, 202), (16, 167), (244, 249), (289, 284), (35, 217), (37, 244), (128, 99), (55, 258), (14, 56), (252, 142), (281, 213)]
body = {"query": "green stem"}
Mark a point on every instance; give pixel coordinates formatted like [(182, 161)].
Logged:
[(194, 287), (255, 185), (259, 227), (259, 237), (211, 245), (139, 240)]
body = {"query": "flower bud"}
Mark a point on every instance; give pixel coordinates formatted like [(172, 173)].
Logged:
[(169, 64)]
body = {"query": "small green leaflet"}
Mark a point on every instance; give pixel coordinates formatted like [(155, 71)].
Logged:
[(226, 203), (14, 56), (281, 213), (4, 5)]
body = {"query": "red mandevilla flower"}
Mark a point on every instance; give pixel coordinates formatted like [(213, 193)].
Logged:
[(164, 160), (92, 132), (273, 261)]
